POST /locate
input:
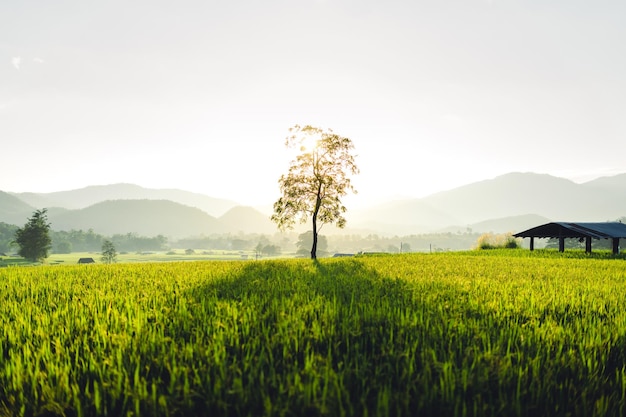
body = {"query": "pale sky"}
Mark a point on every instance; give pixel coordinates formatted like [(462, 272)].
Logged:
[(199, 94)]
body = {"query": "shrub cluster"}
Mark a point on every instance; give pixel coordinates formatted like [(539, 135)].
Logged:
[(497, 241)]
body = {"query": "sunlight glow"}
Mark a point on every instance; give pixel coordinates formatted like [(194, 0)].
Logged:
[(309, 143), (428, 107)]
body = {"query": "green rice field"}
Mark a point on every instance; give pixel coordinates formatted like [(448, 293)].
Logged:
[(484, 333)]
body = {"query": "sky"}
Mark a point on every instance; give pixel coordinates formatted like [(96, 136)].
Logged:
[(199, 94)]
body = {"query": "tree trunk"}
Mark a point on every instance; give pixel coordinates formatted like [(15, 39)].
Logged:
[(314, 247), (318, 204)]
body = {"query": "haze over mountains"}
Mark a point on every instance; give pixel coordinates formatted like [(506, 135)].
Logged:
[(85, 197), (511, 202), (120, 213), (516, 200)]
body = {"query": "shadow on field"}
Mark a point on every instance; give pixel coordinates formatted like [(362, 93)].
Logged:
[(308, 338), (343, 281), (339, 337)]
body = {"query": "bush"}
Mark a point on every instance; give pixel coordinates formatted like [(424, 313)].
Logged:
[(63, 247), (499, 241)]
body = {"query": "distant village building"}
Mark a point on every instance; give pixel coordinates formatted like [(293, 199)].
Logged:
[(86, 261)]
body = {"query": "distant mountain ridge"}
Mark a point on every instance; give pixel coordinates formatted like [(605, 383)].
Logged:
[(507, 198), (510, 202), (144, 217), (517, 194), (615, 183), (128, 208), (152, 218), (88, 196), (12, 209)]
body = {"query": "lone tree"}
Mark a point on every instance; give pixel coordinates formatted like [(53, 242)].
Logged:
[(34, 238), (317, 180), (109, 254)]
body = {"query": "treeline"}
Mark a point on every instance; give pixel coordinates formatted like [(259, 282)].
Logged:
[(432, 242), (85, 241), (240, 241), (90, 241), (300, 244), (7, 235)]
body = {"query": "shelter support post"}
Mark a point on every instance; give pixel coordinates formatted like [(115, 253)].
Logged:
[(532, 243), (615, 245), (561, 244), (588, 244)]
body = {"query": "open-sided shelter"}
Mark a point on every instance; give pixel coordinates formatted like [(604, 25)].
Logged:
[(86, 261), (587, 231)]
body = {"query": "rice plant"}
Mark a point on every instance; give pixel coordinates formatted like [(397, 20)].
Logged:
[(460, 334)]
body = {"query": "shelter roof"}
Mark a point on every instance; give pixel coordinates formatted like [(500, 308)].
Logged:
[(86, 261), (601, 230)]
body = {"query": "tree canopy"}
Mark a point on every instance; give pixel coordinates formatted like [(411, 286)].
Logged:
[(305, 241), (109, 253), (317, 180), (7, 236), (34, 238)]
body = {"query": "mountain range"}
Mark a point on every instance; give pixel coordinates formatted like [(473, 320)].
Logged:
[(146, 217), (511, 202), (85, 197)]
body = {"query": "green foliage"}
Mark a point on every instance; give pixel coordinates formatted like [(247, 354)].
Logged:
[(89, 241), (7, 236), (80, 241), (483, 333), (305, 241), (134, 242), (569, 243), (109, 253), (316, 182), (577, 243), (61, 247), (433, 242), (500, 241), (267, 250), (34, 238), (271, 250)]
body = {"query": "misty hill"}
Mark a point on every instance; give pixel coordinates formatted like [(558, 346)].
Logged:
[(88, 196), (505, 203), (158, 217), (401, 217), (508, 195), (144, 217), (511, 202), (13, 210), (247, 220), (517, 194), (616, 183), (509, 224)]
